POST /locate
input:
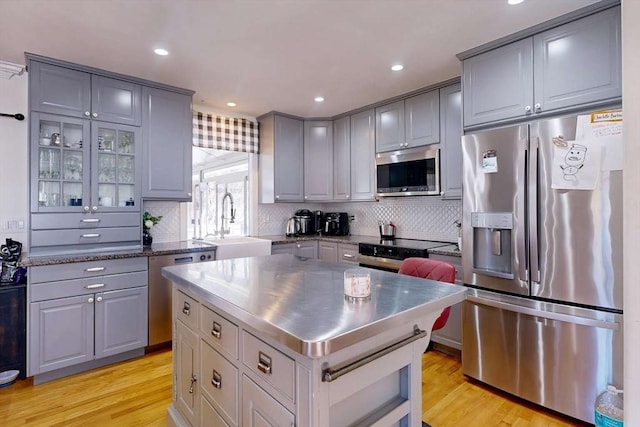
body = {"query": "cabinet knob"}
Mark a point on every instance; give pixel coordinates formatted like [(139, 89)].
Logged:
[(86, 113), (86, 209), (277, 197), (298, 245), (90, 300), (189, 194), (527, 109), (347, 196), (306, 197), (99, 299), (94, 115), (94, 208), (538, 107), (442, 193)]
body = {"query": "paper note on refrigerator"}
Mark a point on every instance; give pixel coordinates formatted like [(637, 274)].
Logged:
[(605, 128), (576, 166)]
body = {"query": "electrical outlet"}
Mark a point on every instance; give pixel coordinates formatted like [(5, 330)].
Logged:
[(266, 218)]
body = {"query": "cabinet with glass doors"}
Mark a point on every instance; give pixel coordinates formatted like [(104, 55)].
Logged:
[(83, 166)]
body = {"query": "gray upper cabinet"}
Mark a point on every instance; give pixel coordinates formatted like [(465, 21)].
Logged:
[(579, 62), (498, 85), (421, 117), (571, 66), (318, 160), (60, 90), (363, 180), (342, 159), (166, 145), (451, 144), (281, 161), (390, 127)]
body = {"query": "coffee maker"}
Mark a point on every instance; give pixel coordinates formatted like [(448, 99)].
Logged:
[(336, 224), (318, 217)]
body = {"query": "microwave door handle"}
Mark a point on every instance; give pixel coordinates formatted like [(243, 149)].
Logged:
[(520, 213), (534, 268)]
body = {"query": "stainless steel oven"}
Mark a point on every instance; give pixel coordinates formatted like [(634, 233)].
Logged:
[(388, 255)]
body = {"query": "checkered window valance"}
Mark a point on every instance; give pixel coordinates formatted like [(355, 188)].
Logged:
[(225, 133)]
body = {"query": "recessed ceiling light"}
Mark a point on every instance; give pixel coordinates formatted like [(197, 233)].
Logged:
[(397, 67), (231, 104), (512, 2), (318, 99), (161, 52)]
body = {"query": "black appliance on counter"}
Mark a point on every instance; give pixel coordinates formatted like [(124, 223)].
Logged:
[(387, 255), (336, 224), (306, 219), (318, 217)]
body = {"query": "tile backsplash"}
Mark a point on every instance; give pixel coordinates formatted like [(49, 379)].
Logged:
[(427, 218), (168, 229)]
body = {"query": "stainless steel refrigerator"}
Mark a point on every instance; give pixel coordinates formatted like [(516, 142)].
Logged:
[(543, 319)]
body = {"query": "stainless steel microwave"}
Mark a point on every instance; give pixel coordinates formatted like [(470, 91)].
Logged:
[(412, 172)]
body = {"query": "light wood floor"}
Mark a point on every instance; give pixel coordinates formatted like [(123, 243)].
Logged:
[(138, 392)]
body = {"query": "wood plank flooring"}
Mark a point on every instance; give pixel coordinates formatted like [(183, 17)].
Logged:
[(138, 392)]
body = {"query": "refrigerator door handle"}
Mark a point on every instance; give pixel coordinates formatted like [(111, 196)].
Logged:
[(534, 268), (520, 215), (615, 326)]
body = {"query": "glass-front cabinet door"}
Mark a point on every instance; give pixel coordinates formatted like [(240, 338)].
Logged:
[(83, 166), (113, 178), (60, 170)]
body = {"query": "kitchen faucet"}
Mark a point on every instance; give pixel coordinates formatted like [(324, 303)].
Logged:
[(232, 212)]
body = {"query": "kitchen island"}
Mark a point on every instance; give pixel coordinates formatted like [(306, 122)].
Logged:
[(272, 341)]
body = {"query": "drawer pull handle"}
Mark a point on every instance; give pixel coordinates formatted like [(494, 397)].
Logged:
[(95, 286), (217, 330), (264, 363), (347, 255), (194, 379), (186, 309), (90, 235), (94, 269), (216, 379), (90, 220)]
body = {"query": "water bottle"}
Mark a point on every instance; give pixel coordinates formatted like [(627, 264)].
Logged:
[(609, 408)]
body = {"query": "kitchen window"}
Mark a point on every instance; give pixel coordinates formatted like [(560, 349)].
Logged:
[(216, 174)]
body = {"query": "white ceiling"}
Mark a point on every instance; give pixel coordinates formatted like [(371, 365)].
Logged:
[(270, 54)]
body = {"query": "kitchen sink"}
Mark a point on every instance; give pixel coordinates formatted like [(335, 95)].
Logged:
[(240, 246)]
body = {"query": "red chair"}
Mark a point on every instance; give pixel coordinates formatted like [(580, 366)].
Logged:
[(431, 269)]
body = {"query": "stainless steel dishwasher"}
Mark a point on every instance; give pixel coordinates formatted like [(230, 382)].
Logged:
[(160, 292)]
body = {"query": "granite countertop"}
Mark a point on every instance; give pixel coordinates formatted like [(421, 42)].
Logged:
[(450, 249), (300, 302), (160, 248)]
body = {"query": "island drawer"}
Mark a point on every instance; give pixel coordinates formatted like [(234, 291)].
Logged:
[(269, 364), (186, 309), (219, 381), (219, 332), (91, 285), (78, 270), (209, 416)]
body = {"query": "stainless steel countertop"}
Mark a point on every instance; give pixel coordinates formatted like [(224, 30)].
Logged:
[(300, 302)]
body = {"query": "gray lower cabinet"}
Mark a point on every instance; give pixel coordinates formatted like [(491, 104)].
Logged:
[(451, 334), (306, 249), (348, 253), (186, 357), (261, 410), (451, 142), (85, 311), (574, 65), (166, 144), (281, 161), (342, 159), (318, 160), (328, 251), (363, 179), (76, 93)]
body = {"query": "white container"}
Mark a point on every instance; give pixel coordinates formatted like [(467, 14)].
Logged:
[(609, 408), (357, 284)]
